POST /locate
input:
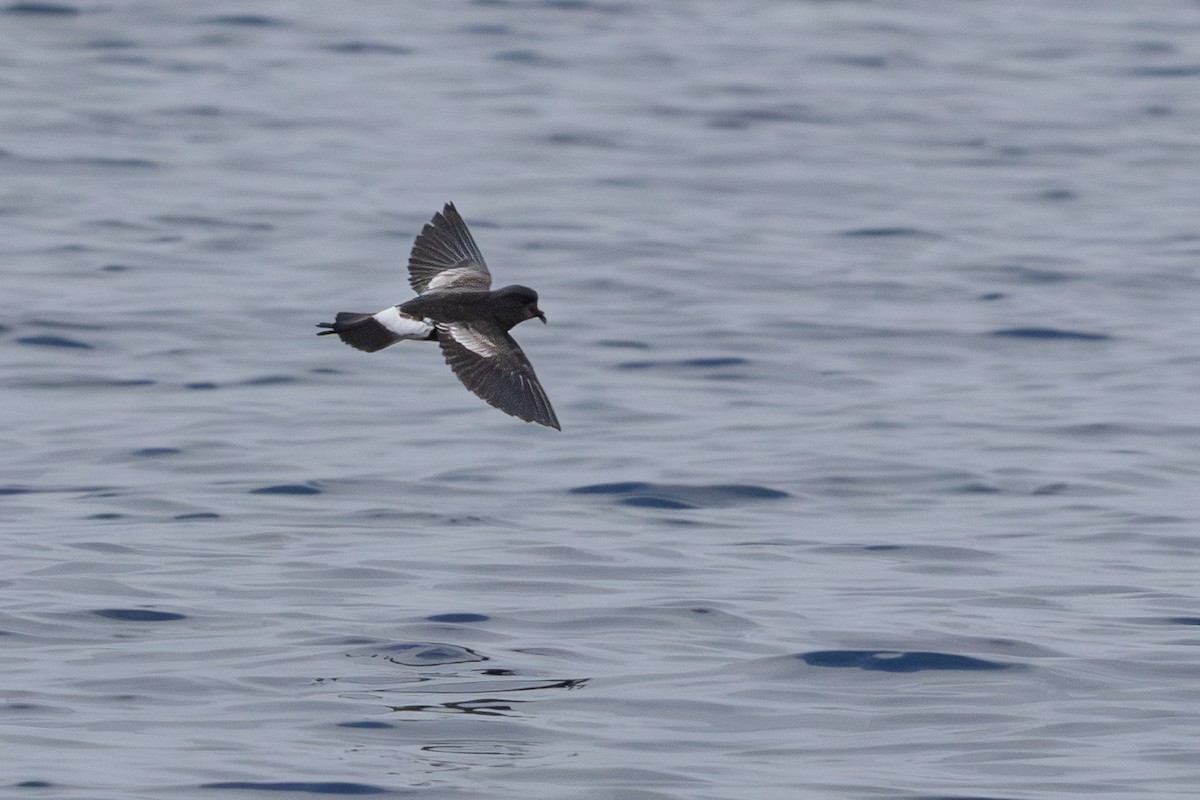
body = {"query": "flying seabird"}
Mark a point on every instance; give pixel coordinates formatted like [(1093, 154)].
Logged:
[(456, 307)]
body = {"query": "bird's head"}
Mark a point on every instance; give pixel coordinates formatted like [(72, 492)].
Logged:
[(523, 303)]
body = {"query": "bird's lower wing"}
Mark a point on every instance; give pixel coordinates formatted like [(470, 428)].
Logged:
[(492, 365)]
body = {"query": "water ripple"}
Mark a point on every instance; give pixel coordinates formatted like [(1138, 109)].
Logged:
[(306, 787), (287, 488), (47, 340), (138, 615), (420, 654), (43, 9), (891, 661), (681, 496), (1050, 334)]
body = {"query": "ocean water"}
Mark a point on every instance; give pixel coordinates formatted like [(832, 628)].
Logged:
[(872, 331)]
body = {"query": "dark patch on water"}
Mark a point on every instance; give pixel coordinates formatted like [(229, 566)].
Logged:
[(197, 515), (103, 547), (34, 785), (1106, 430), (117, 163), (1050, 334), (94, 491), (309, 787), (138, 615), (529, 57), (892, 661), (1184, 620), (687, 363), (152, 452), (583, 5), (653, 501), (47, 340), (268, 380), (1155, 46), (192, 111), (977, 488), (200, 385), (109, 515), (581, 139), (420, 654), (458, 617), (628, 344), (1056, 195), (102, 383), (367, 725), (1179, 71), (680, 496), (1020, 273), (488, 29), (113, 44), (921, 554), (245, 21), (897, 232), (287, 488), (611, 488), (43, 9), (740, 119), (866, 62), (369, 48)]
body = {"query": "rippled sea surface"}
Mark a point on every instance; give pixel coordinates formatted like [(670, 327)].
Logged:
[(873, 334)]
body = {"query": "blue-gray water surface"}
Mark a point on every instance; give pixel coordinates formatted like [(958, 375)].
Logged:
[(872, 331)]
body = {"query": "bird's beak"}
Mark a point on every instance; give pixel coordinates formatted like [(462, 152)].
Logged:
[(542, 317)]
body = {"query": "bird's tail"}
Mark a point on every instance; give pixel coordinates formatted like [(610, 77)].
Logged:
[(358, 330), (367, 332)]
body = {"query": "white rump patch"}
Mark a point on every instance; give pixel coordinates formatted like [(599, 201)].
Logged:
[(403, 325), (471, 340), (450, 277)]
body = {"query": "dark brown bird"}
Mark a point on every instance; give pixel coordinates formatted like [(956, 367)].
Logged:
[(456, 307)]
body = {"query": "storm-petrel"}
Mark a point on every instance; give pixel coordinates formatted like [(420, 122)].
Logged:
[(456, 308)]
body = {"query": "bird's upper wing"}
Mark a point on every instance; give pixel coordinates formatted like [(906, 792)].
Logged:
[(491, 364), (445, 256)]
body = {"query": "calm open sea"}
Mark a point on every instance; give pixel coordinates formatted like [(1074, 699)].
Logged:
[(873, 335)]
